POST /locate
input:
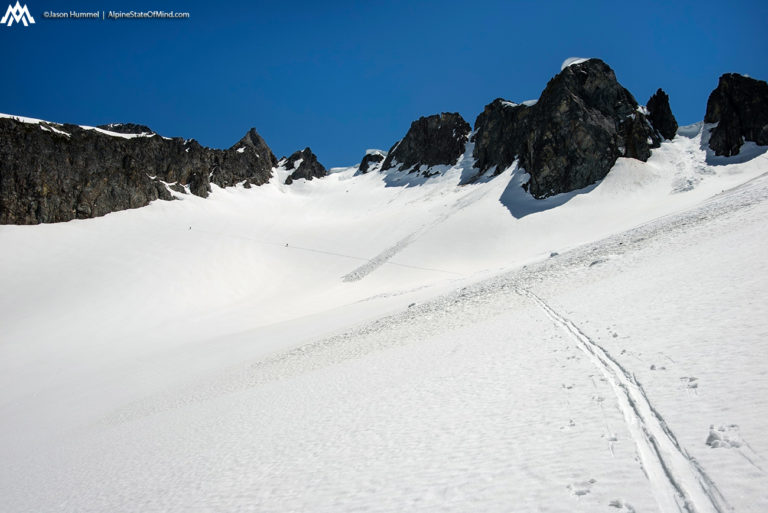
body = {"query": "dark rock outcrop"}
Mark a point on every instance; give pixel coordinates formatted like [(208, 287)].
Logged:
[(127, 128), (502, 128), (583, 121), (431, 141), (660, 114), (370, 161), (739, 106), (51, 172), (305, 165)]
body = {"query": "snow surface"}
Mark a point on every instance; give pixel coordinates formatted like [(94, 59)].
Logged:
[(346, 345)]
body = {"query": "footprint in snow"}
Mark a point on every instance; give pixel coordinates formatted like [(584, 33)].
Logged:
[(581, 488), (690, 382), (724, 437), (620, 504)]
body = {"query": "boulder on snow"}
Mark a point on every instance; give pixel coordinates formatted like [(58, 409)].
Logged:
[(660, 114), (583, 121), (434, 140), (739, 106), (304, 165)]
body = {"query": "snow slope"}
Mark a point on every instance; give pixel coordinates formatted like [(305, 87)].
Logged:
[(348, 345)]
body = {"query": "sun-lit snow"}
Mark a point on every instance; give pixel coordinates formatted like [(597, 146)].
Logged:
[(48, 125), (570, 61), (389, 342)]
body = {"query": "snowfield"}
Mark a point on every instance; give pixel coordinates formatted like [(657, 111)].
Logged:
[(347, 344)]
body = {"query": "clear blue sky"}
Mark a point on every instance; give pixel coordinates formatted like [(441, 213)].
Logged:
[(345, 76)]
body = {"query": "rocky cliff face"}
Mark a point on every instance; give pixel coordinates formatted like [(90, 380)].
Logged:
[(660, 115), (739, 105), (435, 140), (583, 121), (304, 165), (51, 172)]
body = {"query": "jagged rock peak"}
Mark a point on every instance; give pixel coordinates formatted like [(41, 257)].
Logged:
[(304, 165), (371, 161), (127, 128), (739, 105), (253, 141), (583, 121), (660, 114), (434, 140)]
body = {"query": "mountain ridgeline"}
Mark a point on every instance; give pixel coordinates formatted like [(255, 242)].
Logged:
[(569, 138)]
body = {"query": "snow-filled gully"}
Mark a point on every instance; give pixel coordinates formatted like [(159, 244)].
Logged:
[(677, 480)]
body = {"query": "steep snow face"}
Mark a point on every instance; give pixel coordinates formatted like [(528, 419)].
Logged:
[(343, 344)]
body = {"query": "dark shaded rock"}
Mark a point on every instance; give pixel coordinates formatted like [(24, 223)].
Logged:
[(739, 106), (249, 160), (370, 160), (51, 172), (583, 121), (638, 137), (127, 128), (305, 165), (439, 139), (501, 131), (660, 114)]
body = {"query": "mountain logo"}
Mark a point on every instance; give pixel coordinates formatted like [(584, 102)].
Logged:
[(18, 14)]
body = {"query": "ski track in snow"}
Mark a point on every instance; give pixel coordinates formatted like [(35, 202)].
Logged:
[(677, 480), (384, 257), (446, 404)]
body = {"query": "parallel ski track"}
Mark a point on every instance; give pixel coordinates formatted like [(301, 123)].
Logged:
[(678, 482)]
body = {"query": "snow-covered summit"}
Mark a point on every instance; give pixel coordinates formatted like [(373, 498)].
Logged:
[(570, 61)]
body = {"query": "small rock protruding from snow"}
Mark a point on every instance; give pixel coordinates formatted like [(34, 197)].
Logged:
[(303, 164), (371, 161)]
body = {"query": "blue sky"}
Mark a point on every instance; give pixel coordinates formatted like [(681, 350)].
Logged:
[(341, 77)]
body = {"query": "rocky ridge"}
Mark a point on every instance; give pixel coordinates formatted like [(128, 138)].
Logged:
[(51, 172), (567, 139)]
